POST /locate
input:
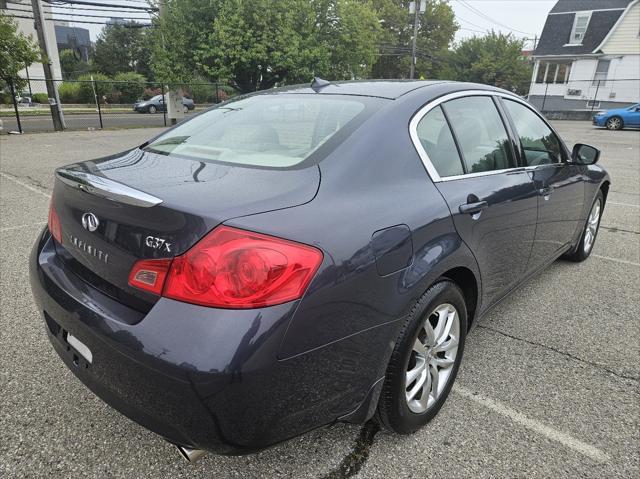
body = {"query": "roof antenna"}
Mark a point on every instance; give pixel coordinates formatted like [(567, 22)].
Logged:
[(318, 84)]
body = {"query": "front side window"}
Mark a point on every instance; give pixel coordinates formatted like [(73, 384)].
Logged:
[(264, 130), (437, 140), (481, 135), (580, 25), (539, 143)]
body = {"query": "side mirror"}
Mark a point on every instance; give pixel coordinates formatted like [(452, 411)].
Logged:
[(585, 154)]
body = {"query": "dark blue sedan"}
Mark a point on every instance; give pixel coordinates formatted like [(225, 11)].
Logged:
[(158, 103), (306, 255), (619, 118)]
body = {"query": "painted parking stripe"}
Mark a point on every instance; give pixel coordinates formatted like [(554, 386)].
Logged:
[(616, 260), (615, 203), (25, 185), (550, 433), (11, 228)]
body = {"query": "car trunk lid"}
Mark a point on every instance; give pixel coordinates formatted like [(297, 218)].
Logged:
[(143, 205)]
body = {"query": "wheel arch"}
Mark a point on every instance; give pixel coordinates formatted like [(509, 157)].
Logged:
[(604, 187), (467, 282)]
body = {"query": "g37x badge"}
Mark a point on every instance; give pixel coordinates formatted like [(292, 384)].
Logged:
[(158, 243)]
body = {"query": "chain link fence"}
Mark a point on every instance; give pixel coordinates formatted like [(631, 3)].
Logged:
[(93, 105), (89, 105)]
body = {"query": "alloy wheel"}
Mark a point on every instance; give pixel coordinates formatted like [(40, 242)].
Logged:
[(614, 123), (592, 226), (432, 358)]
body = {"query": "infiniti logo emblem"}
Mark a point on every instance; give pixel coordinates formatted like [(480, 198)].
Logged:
[(90, 222)]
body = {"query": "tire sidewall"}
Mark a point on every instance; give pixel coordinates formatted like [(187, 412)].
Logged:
[(580, 254), (152, 109), (399, 417)]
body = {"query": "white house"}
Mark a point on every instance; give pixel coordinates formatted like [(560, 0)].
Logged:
[(22, 13), (588, 56)]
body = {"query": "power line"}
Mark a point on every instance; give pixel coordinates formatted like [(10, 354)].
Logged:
[(98, 4), (488, 18), (125, 25), (82, 15)]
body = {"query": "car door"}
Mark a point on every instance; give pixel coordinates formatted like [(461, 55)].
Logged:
[(471, 159), (632, 116), (560, 185)]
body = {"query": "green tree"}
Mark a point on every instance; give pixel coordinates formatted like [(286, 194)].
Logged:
[(259, 43), (16, 51), (177, 37), (122, 48), (436, 30), (130, 86), (494, 59), (71, 65)]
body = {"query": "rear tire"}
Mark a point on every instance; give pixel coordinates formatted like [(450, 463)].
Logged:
[(590, 232), (427, 356), (152, 109), (614, 123)]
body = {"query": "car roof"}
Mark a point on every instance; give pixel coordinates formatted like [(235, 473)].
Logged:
[(389, 89)]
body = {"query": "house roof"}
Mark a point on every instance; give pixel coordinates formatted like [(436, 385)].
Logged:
[(559, 24), (581, 5)]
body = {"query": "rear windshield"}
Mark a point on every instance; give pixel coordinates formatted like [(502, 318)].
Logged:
[(264, 130)]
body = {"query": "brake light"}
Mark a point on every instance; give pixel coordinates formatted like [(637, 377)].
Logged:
[(54, 223), (149, 274), (232, 268)]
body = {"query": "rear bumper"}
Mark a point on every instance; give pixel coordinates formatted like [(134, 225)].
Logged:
[(200, 377)]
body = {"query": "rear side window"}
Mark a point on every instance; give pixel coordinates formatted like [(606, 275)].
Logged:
[(265, 130), (437, 140), (481, 135), (539, 143)]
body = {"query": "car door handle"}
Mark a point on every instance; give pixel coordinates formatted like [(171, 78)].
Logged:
[(473, 208)]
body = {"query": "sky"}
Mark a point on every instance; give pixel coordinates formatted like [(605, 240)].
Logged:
[(524, 18)]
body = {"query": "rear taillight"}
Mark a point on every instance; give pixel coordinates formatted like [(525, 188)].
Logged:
[(54, 223), (150, 274), (232, 268)]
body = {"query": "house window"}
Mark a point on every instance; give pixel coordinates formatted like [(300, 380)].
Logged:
[(601, 72), (580, 25), (553, 72)]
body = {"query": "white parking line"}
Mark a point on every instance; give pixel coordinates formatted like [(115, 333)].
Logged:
[(616, 260), (11, 228), (536, 426), (615, 203), (26, 185)]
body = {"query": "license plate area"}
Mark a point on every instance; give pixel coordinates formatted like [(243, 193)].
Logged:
[(78, 353)]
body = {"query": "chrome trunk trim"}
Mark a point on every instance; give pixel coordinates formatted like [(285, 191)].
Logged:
[(106, 188)]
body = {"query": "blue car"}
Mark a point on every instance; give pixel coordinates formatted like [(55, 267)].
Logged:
[(619, 118)]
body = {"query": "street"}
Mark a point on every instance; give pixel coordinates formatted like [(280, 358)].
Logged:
[(33, 123), (549, 383)]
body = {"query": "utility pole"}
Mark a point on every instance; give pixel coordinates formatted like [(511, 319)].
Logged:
[(52, 92), (417, 10), (173, 101)]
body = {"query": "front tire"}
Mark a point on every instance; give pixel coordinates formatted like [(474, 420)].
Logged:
[(590, 232), (152, 109), (614, 123), (425, 360)]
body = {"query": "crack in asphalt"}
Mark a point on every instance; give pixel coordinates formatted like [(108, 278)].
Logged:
[(563, 353), (619, 230), (352, 463)]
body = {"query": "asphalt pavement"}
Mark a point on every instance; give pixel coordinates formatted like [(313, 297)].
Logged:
[(549, 385)]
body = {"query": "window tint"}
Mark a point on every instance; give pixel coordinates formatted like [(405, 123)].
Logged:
[(481, 134), (263, 130), (435, 137), (541, 146)]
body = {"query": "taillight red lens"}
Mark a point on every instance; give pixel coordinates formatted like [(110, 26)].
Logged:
[(150, 274), (232, 268), (54, 223)]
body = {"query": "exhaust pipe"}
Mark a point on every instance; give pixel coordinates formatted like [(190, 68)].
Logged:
[(191, 455)]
